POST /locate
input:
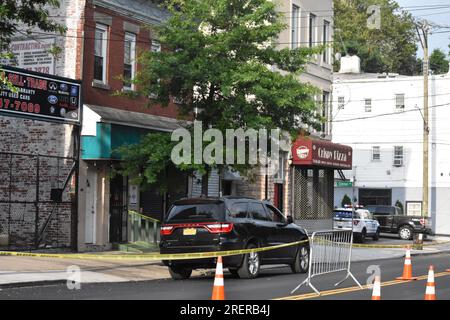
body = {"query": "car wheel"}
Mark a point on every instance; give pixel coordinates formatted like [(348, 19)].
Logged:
[(301, 262), (376, 237), (179, 273), (405, 233), (251, 265), (234, 271), (361, 237)]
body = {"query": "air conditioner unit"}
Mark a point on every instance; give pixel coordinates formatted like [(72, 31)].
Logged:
[(177, 100), (398, 162)]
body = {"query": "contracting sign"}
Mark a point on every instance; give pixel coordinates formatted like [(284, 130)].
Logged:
[(33, 55), (39, 96)]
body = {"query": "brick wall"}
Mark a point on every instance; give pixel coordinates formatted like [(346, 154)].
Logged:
[(24, 179), (115, 56)]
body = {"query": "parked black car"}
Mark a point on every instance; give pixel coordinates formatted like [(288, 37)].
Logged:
[(392, 220), (231, 223)]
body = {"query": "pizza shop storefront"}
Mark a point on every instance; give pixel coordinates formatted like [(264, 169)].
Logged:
[(313, 169)]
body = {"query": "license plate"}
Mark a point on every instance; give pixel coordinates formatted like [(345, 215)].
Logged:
[(189, 232)]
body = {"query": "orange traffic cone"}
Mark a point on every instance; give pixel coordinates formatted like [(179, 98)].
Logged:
[(376, 293), (218, 289), (430, 293), (407, 269)]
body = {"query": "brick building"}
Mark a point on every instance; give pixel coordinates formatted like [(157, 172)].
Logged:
[(36, 156)]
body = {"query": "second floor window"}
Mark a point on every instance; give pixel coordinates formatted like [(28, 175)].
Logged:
[(100, 51), (325, 99), (312, 30), (368, 105), (295, 26), (400, 102), (341, 103), (129, 57), (326, 39), (376, 154), (398, 156)]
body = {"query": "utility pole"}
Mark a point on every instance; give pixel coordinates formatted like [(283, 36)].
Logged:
[(423, 29)]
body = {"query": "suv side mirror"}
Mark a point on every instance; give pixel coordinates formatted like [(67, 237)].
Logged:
[(290, 219)]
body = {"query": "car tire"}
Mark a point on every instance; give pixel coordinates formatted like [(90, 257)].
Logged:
[(234, 272), (179, 273), (405, 233), (251, 265), (361, 237), (301, 262), (376, 237)]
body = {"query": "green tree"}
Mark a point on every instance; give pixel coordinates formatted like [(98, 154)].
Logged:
[(216, 60), (438, 62), (346, 201), (392, 48), (21, 17)]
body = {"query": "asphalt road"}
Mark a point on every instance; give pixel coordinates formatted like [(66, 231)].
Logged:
[(272, 284)]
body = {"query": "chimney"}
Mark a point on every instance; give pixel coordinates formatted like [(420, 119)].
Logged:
[(350, 64)]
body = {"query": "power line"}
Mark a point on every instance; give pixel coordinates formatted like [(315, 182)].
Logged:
[(386, 114)]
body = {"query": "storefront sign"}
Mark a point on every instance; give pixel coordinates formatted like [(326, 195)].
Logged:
[(40, 96), (32, 55), (321, 153), (344, 184)]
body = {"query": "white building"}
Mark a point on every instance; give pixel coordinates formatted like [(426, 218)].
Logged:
[(380, 116)]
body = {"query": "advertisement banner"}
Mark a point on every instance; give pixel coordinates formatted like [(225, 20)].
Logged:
[(40, 96), (32, 55)]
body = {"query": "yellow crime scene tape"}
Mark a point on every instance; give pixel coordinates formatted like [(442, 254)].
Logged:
[(142, 216), (384, 246), (150, 256)]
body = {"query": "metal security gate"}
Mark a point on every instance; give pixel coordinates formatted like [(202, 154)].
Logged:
[(36, 203), (313, 192), (118, 210)]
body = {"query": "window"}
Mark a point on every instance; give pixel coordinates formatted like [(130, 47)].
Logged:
[(239, 210), (275, 215), (279, 174), (312, 30), (156, 46), (376, 156), (129, 57), (368, 105), (295, 26), (257, 212), (341, 103), (398, 156), (325, 99), (325, 40), (100, 47), (400, 102)]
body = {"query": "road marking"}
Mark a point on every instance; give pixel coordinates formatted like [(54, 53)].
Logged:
[(356, 288)]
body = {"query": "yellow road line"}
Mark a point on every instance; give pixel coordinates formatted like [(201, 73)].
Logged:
[(356, 288)]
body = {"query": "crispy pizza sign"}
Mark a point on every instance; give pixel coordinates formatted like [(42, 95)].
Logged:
[(39, 96)]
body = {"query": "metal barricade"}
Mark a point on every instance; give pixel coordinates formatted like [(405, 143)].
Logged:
[(330, 251)]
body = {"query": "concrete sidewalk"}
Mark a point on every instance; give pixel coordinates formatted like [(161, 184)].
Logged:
[(23, 271)]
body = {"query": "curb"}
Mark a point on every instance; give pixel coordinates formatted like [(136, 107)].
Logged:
[(31, 284)]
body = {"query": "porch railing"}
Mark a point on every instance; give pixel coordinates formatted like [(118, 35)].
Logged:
[(143, 228)]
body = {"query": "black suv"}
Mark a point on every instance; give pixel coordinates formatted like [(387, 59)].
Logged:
[(231, 223)]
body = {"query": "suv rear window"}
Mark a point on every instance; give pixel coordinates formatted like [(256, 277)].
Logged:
[(196, 212)]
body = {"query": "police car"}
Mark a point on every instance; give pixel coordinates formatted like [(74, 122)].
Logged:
[(363, 223)]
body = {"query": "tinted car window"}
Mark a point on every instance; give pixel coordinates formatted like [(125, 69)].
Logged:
[(257, 212), (378, 210), (196, 212), (275, 215), (239, 210)]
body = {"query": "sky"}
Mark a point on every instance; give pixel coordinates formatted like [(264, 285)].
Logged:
[(440, 16)]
